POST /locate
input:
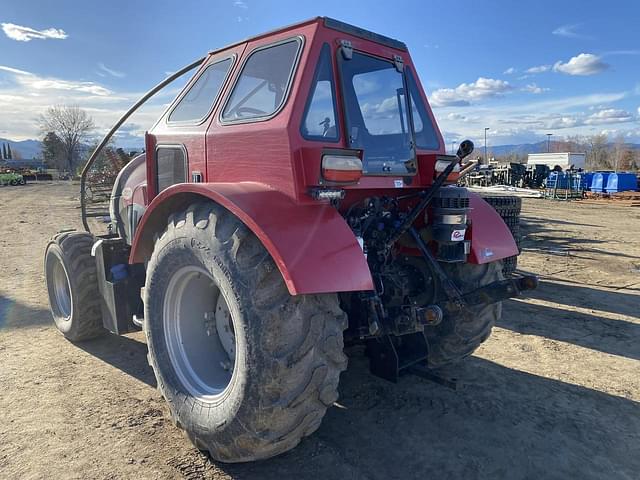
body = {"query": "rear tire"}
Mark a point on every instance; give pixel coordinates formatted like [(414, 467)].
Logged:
[(72, 285), (284, 367), (458, 336)]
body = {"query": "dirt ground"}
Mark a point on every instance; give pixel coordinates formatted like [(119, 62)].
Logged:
[(554, 393)]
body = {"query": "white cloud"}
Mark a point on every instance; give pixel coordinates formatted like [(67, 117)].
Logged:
[(26, 34), (25, 95), (639, 111), (509, 71), (465, 93), (456, 116), (240, 4), (583, 64), (568, 31), (533, 88), (33, 83), (538, 69), (14, 70), (110, 71), (525, 119), (609, 115)]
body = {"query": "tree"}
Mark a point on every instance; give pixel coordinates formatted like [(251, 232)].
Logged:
[(619, 148), (4, 151), (71, 125), (597, 156), (9, 154), (53, 151)]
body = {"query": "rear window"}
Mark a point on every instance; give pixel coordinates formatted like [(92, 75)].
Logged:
[(376, 112), (263, 84), (197, 103)]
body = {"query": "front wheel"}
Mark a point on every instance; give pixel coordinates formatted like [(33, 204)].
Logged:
[(459, 335), (247, 369), (72, 285)]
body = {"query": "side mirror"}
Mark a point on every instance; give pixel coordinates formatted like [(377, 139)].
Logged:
[(465, 148)]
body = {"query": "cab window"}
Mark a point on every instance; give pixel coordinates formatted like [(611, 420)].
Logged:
[(198, 102), (319, 121), (263, 83), (425, 133)]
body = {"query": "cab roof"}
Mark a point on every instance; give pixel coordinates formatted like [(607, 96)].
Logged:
[(332, 24)]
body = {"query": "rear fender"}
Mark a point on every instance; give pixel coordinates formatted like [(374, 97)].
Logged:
[(311, 244), (491, 239)]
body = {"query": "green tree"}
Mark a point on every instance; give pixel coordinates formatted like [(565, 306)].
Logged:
[(4, 151), (9, 154), (53, 151)]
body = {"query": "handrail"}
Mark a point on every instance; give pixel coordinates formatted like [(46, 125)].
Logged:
[(105, 140)]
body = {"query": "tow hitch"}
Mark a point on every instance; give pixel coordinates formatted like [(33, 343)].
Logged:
[(495, 292)]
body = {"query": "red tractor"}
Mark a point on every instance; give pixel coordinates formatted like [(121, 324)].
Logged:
[(295, 197)]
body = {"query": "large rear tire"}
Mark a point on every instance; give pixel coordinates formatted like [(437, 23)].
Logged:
[(72, 285), (247, 369), (458, 336)]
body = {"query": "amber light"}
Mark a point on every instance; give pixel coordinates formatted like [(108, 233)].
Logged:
[(341, 168)]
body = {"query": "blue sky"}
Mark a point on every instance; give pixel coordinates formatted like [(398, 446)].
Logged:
[(522, 69)]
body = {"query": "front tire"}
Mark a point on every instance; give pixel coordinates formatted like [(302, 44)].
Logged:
[(72, 285), (459, 335), (256, 393)]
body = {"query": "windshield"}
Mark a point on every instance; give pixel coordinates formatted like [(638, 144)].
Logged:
[(376, 115)]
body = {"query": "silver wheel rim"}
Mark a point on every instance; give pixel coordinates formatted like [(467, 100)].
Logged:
[(200, 333), (61, 289)]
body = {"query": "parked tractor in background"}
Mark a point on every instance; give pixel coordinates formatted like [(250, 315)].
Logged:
[(11, 178), (294, 197)]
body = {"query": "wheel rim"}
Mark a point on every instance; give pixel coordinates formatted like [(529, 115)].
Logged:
[(200, 333), (61, 289)]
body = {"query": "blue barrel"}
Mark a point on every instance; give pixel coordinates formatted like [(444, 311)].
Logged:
[(622, 182), (599, 182), (587, 180)]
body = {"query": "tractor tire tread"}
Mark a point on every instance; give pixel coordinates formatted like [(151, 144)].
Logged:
[(299, 340), (81, 267)]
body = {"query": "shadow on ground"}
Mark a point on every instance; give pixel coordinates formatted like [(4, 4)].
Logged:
[(617, 337), (124, 353), (502, 424), (541, 234), (18, 315)]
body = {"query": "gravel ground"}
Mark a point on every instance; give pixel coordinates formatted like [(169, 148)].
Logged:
[(552, 394)]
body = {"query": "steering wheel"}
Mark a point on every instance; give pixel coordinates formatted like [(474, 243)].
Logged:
[(240, 111)]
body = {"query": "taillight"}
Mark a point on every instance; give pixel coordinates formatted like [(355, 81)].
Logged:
[(341, 168)]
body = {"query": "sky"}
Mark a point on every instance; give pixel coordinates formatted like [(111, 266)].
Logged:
[(522, 69)]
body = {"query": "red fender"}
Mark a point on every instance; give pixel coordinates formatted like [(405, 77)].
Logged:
[(311, 244), (490, 237)]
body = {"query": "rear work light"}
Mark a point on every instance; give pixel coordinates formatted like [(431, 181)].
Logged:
[(341, 168)]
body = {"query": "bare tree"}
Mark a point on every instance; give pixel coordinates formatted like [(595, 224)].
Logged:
[(72, 126), (598, 154), (619, 148)]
